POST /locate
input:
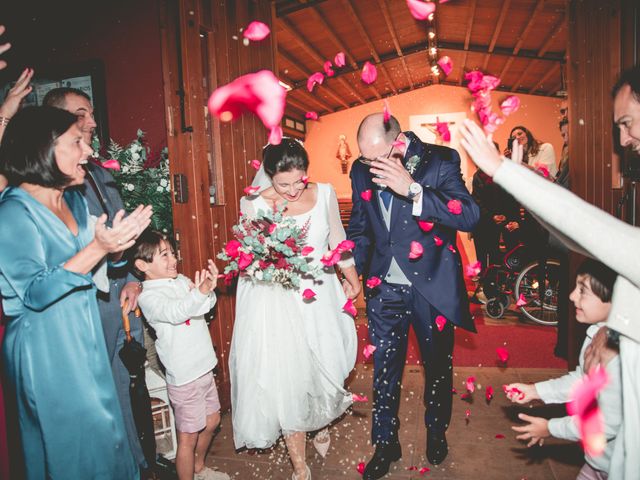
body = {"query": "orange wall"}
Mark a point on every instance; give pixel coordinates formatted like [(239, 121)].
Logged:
[(539, 114)]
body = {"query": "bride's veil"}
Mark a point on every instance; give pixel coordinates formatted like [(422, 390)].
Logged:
[(262, 180)]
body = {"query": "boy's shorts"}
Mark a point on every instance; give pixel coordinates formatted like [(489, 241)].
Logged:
[(193, 402)]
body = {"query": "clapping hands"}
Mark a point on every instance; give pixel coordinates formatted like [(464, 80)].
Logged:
[(206, 279), (124, 231)]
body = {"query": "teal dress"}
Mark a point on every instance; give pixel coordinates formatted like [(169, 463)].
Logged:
[(54, 350)]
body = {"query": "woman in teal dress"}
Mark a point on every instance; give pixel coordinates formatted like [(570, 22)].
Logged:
[(54, 351)]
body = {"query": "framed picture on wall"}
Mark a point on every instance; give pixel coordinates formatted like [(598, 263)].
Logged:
[(85, 76)]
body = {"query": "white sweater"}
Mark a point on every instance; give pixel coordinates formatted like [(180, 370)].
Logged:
[(176, 312)]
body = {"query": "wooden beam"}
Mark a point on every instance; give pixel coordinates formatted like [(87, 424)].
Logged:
[(463, 65), (297, 105), (467, 38), (547, 76), (334, 38), (286, 10), (524, 73), (313, 53), (496, 32), (394, 38), (363, 33)]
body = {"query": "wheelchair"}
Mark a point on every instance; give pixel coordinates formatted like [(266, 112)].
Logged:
[(521, 274)]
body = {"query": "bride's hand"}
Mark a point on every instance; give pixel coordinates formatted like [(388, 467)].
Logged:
[(351, 291)]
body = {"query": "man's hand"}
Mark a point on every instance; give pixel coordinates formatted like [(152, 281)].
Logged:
[(391, 172), (536, 431), (598, 352), (130, 293)]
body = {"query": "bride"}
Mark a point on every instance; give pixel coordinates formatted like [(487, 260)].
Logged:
[(289, 356)]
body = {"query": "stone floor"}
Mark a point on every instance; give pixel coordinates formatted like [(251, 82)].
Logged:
[(474, 450)]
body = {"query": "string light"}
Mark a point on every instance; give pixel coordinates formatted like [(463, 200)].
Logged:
[(432, 47)]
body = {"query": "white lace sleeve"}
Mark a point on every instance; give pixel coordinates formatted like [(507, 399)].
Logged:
[(336, 230), (246, 207)]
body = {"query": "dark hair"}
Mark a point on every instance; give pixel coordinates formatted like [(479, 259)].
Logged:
[(601, 278), (563, 121), (630, 77), (27, 152), (288, 155), (145, 248), (58, 96), (533, 145)]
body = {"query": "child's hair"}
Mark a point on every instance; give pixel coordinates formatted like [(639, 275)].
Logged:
[(601, 278), (145, 247)]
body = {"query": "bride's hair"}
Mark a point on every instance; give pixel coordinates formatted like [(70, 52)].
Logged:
[(288, 155)]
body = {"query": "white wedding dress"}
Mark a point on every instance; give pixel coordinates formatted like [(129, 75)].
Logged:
[(289, 358)]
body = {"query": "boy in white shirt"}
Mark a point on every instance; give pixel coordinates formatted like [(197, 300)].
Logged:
[(592, 299), (175, 307)]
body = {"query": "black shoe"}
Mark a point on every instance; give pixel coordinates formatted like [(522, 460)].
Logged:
[(379, 464), (437, 448)]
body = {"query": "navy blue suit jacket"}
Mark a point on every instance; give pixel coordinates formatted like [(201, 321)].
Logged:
[(437, 274)]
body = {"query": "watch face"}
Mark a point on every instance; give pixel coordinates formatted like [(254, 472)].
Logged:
[(415, 188)]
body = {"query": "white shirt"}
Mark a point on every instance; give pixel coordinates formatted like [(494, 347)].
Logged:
[(176, 312), (545, 157)]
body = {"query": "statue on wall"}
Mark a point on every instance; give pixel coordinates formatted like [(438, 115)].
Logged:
[(344, 153)]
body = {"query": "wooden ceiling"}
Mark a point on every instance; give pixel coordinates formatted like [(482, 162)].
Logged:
[(521, 41)]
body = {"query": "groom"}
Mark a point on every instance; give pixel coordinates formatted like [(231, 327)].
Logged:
[(408, 202)]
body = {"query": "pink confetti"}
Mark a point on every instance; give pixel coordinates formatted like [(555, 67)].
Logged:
[(330, 258), (275, 135), (470, 383), (306, 251), (188, 323), (443, 130), (256, 164), (424, 470), (311, 115), (258, 93), (386, 112), (368, 350), (467, 415), (438, 241), (446, 65), (499, 436), (415, 251), (315, 78), (421, 10), (488, 394), (256, 31), (308, 294), (400, 144), (366, 195), (232, 248), (345, 246), (112, 164), (425, 226), (510, 105), (244, 260), (350, 308), (586, 412), (359, 398), (373, 282), (413, 467), (513, 392), (305, 179), (473, 269), (440, 322), (542, 169), (360, 468), (339, 59), (503, 354), (369, 73), (327, 69), (454, 206), (251, 190), (466, 397), (521, 301), (453, 390)]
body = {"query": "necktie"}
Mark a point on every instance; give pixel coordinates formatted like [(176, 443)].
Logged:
[(385, 195)]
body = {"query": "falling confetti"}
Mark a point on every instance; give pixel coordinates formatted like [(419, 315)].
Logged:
[(111, 165), (503, 354), (366, 195), (440, 322), (373, 282), (369, 73), (421, 10), (521, 301), (308, 294), (425, 226), (256, 164), (368, 350), (314, 79), (415, 250), (251, 190), (454, 206), (473, 269), (311, 115), (256, 31), (339, 59), (327, 69), (446, 65)]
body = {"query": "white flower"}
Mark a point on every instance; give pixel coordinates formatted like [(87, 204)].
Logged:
[(130, 187), (125, 169), (163, 182), (258, 275), (160, 189), (135, 156)]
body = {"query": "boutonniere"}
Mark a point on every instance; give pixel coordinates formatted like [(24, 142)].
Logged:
[(412, 164)]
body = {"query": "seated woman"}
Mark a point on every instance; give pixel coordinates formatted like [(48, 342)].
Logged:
[(54, 351), (536, 153)]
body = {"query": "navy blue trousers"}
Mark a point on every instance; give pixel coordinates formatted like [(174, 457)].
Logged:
[(391, 308)]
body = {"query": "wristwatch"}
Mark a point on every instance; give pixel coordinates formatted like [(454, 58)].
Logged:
[(414, 189)]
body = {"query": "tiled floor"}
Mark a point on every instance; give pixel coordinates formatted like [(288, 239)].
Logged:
[(474, 450)]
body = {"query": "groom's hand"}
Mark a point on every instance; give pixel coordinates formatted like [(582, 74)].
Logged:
[(392, 174)]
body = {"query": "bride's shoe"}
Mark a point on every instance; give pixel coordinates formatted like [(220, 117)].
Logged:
[(321, 441), (307, 474)]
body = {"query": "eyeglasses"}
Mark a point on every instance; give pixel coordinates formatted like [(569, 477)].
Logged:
[(367, 161)]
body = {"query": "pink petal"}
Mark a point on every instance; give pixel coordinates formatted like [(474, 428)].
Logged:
[(440, 322), (339, 59), (256, 164), (413, 467), (415, 251), (306, 251), (350, 308), (366, 195), (503, 354), (245, 260), (258, 93), (473, 269), (386, 112), (471, 387), (466, 397), (251, 190), (454, 206), (542, 169), (513, 392), (311, 115), (451, 248), (188, 322), (360, 468), (425, 226), (453, 390), (369, 73), (112, 164), (368, 350), (586, 412), (256, 31), (474, 78), (424, 470), (438, 241), (521, 301), (510, 105), (305, 179), (446, 65), (467, 415), (489, 82), (275, 135), (373, 282), (399, 144), (359, 398), (421, 10), (308, 294), (499, 435), (313, 79), (345, 246), (330, 258), (488, 394), (443, 130), (327, 69)]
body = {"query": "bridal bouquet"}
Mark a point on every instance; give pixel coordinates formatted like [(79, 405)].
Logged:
[(269, 248)]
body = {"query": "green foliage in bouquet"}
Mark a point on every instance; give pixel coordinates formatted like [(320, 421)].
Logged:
[(141, 184)]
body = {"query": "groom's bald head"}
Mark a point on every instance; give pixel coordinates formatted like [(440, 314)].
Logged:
[(375, 136)]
